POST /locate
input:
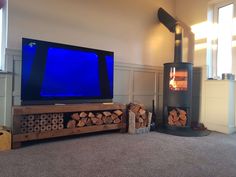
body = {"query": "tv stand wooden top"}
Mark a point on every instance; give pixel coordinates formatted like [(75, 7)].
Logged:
[(39, 109)]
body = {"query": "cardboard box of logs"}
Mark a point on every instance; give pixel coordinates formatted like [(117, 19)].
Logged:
[(57, 121), (139, 119)]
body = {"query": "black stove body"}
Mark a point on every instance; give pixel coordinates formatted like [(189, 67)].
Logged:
[(177, 87)]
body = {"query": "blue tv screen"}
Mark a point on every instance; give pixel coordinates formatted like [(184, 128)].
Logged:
[(60, 73)]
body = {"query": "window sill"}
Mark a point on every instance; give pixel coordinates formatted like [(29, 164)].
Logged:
[(5, 72)]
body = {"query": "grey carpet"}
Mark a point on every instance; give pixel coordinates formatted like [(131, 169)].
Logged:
[(123, 155)]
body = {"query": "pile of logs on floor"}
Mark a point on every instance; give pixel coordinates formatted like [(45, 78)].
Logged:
[(177, 117), (141, 115), (81, 119), (41, 122)]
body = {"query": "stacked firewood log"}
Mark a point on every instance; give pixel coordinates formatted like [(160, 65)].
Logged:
[(41, 122), (141, 115), (81, 119), (177, 117)]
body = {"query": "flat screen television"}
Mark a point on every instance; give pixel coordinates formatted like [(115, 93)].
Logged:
[(59, 73)]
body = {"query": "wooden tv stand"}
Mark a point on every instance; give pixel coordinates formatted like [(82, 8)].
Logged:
[(39, 120)]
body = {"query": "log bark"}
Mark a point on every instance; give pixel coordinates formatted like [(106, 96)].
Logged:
[(118, 112), (71, 124), (104, 119), (75, 116), (83, 114), (141, 115), (99, 115), (94, 120), (108, 120), (177, 117), (91, 115), (117, 121), (142, 111), (81, 123), (106, 113), (99, 122), (89, 122), (134, 108), (114, 116), (144, 116)]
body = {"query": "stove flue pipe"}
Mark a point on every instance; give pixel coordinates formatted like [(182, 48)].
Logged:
[(174, 27)]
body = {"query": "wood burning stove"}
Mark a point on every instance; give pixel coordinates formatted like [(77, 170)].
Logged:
[(177, 95), (177, 98)]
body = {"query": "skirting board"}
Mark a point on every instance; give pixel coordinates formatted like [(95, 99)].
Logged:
[(220, 128)]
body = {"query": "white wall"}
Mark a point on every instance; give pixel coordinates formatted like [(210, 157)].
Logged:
[(128, 27), (191, 11)]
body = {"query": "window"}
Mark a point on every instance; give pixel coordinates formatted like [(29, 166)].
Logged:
[(222, 55), (224, 49), (3, 37), (1, 27)]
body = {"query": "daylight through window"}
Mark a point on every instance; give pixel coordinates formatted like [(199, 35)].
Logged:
[(224, 49)]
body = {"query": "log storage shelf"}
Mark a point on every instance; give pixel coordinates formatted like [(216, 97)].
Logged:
[(50, 121)]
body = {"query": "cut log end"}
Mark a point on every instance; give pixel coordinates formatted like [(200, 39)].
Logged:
[(118, 112), (71, 124), (177, 117)]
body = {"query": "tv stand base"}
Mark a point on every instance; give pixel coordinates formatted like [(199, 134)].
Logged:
[(34, 118)]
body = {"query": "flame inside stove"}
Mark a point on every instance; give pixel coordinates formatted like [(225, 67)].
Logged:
[(178, 80), (173, 83)]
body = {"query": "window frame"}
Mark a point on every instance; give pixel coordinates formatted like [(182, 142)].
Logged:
[(3, 37), (214, 42)]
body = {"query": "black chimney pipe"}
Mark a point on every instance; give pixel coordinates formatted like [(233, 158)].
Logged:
[(166, 19), (174, 27)]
